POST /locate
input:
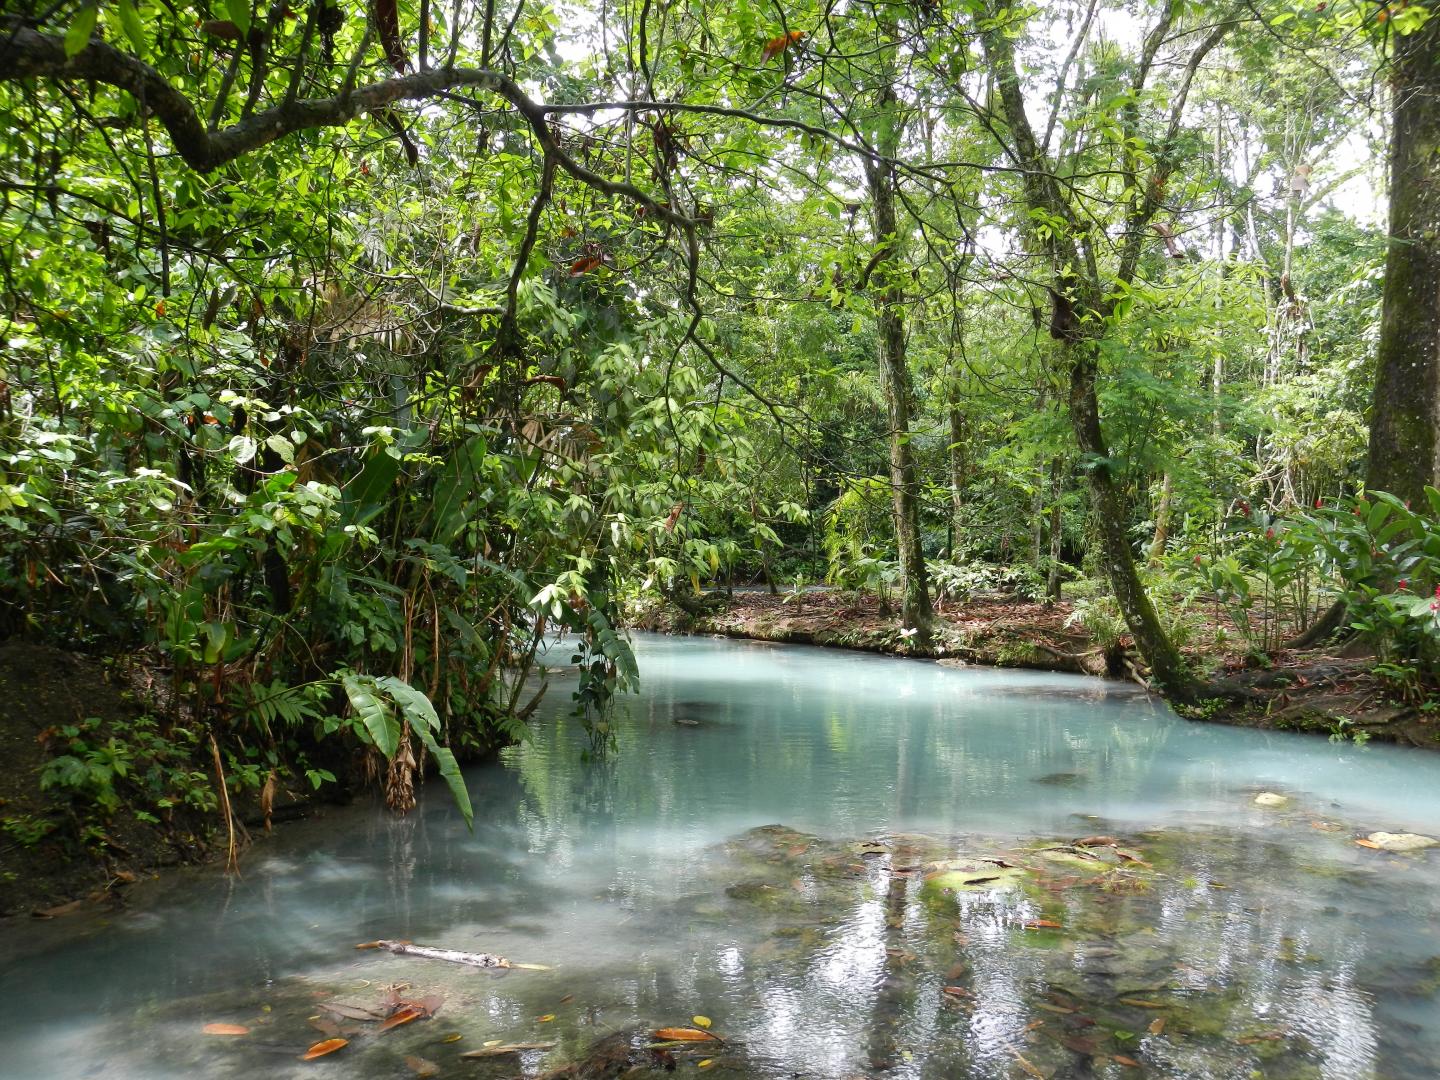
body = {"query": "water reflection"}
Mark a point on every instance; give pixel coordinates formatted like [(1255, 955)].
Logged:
[(1253, 939)]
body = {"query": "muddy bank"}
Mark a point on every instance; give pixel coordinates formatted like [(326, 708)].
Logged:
[(1302, 690), (995, 632), (102, 787)]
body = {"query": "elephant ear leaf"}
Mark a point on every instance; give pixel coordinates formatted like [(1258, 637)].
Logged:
[(374, 713), (415, 705), (450, 773), (420, 714)]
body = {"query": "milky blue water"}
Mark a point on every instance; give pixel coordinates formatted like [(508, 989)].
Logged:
[(1266, 940)]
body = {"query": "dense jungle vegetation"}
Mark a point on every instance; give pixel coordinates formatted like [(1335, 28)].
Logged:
[(352, 349)]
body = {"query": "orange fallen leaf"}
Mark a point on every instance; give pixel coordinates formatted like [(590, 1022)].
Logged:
[(320, 1049), (1123, 1060), (402, 1016), (1043, 924), (1157, 1025), (225, 1029), (682, 1034), (1370, 844)]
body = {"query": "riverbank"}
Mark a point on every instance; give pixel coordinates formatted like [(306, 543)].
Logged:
[(104, 786), (1307, 690)]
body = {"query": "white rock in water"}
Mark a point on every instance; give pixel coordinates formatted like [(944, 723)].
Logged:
[(1402, 841), (1272, 800)]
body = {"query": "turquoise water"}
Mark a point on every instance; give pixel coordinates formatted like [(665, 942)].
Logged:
[(1266, 940)]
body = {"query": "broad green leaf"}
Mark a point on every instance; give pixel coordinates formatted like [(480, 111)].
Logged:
[(450, 773), (239, 12), (415, 706), (380, 722), (130, 23), (78, 36)]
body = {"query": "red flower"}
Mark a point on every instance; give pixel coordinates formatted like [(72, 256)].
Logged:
[(1269, 534), (1319, 503), (1404, 582)]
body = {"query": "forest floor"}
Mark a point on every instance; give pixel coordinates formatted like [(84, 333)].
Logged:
[(1310, 690)]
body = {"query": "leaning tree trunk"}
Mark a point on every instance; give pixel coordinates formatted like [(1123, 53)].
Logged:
[(1404, 441), (1167, 667), (895, 383)]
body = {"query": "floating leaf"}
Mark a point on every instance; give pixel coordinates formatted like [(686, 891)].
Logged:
[(680, 1034), (422, 1066), (1142, 1003), (1043, 924), (453, 1037), (349, 1012), (700, 1021), (402, 1016), (320, 1049), (1123, 1060), (501, 1049), (225, 1029), (705, 1064), (545, 1019), (1157, 1026)]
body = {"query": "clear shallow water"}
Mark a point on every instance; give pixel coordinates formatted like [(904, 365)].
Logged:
[(1266, 940)]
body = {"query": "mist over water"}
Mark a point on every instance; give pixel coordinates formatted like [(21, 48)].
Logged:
[(1267, 939)]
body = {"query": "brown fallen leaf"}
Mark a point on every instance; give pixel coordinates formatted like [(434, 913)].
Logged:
[(225, 1029), (1096, 841), (685, 1034), (1143, 1003), (956, 991), (58, 910), (1157, 1026), (1123, 1060), (507, 1048), (1264, 1036), (320, 1049), (1043, 924), (1026, 1066), (1362, 842), (422, 1067), (349, 1012)]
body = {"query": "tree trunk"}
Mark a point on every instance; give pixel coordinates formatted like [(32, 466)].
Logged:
[(1052, 579), (1162, 523), (1403, 418), (915, 609), (1167, 668), (957, 473)]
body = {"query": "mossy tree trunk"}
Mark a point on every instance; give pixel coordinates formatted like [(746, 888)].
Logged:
[(1405, 415)]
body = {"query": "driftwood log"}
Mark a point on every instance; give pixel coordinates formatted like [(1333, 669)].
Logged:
[(451, 956)]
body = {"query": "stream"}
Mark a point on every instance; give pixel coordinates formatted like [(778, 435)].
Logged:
[(850, 865)]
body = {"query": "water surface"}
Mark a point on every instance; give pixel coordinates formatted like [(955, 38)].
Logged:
[(1256, 942)]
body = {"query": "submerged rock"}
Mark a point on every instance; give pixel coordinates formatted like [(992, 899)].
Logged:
[(1271, 800), (1060, 779), (1404, 841)]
